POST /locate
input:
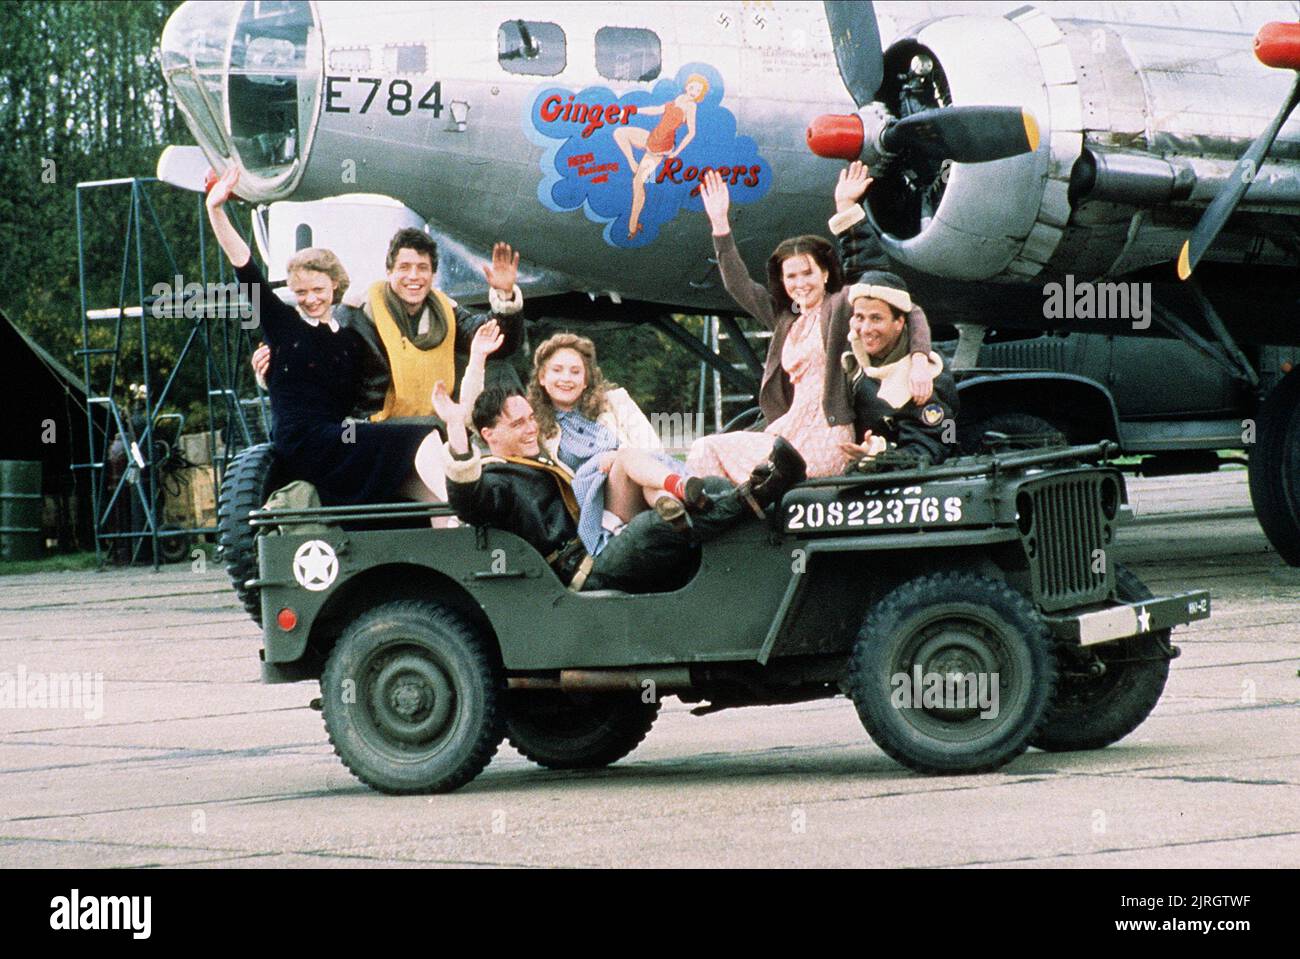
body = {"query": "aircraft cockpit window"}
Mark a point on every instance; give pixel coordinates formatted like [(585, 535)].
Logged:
[(247, 77), (533, 47), (628, 53), (272, 84)]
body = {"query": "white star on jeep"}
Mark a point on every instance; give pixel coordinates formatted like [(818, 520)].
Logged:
[(1144, 619), (314, 565)]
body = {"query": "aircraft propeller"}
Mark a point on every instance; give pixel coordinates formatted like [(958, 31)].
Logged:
[(1276, 45), (965, 134)]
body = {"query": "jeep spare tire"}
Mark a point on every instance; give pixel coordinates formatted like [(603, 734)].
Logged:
[(250, 479)]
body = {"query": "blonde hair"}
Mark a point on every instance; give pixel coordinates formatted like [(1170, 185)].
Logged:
[(704, 83), (324, 261), (592, 402)]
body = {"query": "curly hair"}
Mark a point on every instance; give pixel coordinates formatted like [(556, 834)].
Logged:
[(322, 261), (592, 403), (822, 253)]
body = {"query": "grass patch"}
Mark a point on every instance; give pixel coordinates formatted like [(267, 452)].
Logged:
[(61, 563)]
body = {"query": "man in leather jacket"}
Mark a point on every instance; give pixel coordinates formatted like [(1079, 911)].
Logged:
[(518, 489), (886, 416)]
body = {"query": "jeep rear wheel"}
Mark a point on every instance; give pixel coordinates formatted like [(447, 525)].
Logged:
[(411, 697), (1091, 712), (577, 731), (943, 624)]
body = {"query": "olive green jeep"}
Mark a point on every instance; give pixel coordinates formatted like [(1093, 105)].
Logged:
[(969, 610)]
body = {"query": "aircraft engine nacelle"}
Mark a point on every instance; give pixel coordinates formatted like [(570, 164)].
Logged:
[(986, 220)]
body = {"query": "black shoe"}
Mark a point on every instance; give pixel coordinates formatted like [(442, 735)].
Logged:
[(697, 498), (773, 479)]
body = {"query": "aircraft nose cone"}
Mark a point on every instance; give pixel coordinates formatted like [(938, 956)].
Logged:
[(836, 136), (1278, 45)]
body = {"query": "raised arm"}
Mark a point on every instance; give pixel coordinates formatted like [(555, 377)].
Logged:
[(506, 302), (232, 244), (487, 340), (750, 296), (272, 314), (859, 248), (476, 502)]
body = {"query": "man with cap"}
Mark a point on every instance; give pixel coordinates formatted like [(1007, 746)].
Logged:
[(893, 428)]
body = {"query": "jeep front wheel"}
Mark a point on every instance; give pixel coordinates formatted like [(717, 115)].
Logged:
[(559, 730), (952, 673), (411, 697), (1091, 712)]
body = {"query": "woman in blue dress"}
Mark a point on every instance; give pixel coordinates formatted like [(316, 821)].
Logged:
[(596, 430), (314, 377)]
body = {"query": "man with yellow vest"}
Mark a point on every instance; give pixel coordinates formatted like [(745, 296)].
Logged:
[(415, 332)]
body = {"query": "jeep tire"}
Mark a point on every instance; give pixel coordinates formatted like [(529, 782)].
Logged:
[(251, 477), (560, 730), (1093, 712), (952, 623), (412, 699)]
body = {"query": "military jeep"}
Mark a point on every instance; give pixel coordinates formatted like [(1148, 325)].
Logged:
[(969, 611)]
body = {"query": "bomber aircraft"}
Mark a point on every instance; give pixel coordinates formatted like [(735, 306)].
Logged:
[(1037, 165)]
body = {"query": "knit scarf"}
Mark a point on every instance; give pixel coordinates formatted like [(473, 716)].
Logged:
[(408, 324)]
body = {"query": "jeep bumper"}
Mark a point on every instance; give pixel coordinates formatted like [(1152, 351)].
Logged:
[(1121, 620)]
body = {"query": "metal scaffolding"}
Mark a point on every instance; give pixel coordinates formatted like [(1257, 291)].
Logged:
[(133, 489)]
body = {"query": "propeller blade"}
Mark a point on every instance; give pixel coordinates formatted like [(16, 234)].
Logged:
[(974, 134), (856, 39), (1220, 209)]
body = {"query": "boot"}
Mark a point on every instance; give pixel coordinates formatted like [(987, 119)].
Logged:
[(772, 480)]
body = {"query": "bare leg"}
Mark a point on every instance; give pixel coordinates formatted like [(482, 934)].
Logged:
[(643, 468), (623, 495), (642, 176), (629, 137), (644, 481)]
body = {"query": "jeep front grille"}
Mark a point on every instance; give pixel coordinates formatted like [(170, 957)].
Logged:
[(1066, 536)]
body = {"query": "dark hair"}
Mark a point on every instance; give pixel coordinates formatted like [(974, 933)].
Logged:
[(489, 406), (823, 255), (411, 239)]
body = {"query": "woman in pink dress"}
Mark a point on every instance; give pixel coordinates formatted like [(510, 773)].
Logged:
[(804, 394)]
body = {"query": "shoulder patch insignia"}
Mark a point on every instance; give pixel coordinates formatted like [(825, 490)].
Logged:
[(932, 414)]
